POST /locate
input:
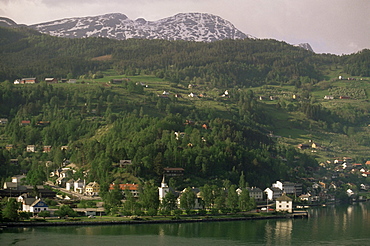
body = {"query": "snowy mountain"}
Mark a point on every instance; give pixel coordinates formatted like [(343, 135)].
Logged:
[(305, 46), (183, 26)]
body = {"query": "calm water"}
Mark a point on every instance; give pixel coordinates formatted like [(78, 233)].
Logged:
[(340, 225)]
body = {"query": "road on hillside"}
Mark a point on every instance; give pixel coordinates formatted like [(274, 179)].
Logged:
[(72, 193)]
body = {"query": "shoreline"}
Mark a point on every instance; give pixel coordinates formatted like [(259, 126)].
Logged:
[(133, 222)]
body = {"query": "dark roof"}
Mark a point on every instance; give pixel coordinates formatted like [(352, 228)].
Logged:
[(173, 169), (284, 197)]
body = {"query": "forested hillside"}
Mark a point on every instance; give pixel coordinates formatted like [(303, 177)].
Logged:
[(222, 135)]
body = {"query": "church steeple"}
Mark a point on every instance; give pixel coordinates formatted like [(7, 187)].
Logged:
[(163, 190), (163, 184)]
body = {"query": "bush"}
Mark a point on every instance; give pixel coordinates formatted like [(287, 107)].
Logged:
[(177, 212), (50, 202), (202, 212), (165, 212), (138, 212), (25, 215), (152, 212), (65, 210), (126, 213), (44, 214), (214, 211), (176, 218)]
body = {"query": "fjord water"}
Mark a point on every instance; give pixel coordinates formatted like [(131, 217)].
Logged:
[(331, 225)]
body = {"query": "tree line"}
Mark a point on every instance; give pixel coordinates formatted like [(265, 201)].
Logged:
[(223, 63)]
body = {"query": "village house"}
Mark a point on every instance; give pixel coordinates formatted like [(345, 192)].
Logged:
[(284, 204), (51, 80), (116, 81), (365, 174), (289, 187), (132, 188), (303, 146), (173, 171), (42, 123), (18, 179), (61, 172), (61, 181), (31, 148), (315, 145), (179, 135), (328, 97), (273, 193), (79, 186), (125, 163), (3, 121), (33, 205), (226, 94), (64, 147), (9, 146), (47, 148), (29, 81), (305, 198), (70, 184), (198, 202), (25, 123), (255, 193), (92, 189)]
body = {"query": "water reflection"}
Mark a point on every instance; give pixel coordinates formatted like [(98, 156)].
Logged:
[(279, 232), (340, 225)]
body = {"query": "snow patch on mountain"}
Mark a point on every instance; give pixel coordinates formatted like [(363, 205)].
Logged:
[(305, 46)]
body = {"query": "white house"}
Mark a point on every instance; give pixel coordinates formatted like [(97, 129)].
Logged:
[(284, 204), (33, 205), (273, 193), (79, 186), (70, 184)]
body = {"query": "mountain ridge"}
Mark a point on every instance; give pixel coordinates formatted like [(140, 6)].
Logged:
[(199, 27), (182, 26)]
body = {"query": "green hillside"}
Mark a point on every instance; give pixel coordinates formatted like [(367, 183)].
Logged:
[(256, 101)]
